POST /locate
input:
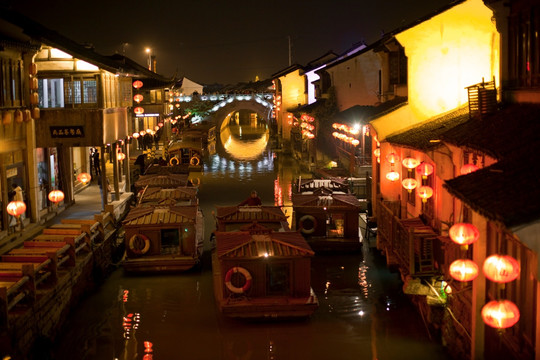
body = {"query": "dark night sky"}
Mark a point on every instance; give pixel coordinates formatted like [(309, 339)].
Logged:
[(222, 41)]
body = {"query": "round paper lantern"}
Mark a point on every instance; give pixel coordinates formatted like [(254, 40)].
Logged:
[(142, 133), (138, 98), (16, 208), (409, 184), (392, 176), (160, 124), (138, 110), (392, 158), (424, 169), (501, 268), (35, 113), (84, 177), (500, 314), (34, 98), (33, 69), (6, 118), (463, 270), (136, 135), (56, 196), (34, 83), (18, 116), (468, 168), (137, 84), (425, 192), (377, 152), (121, 156), (463, 233), (410, 163), (27, 115)]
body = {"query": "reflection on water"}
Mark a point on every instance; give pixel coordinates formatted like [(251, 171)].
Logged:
[(362, 315), (244, 136)]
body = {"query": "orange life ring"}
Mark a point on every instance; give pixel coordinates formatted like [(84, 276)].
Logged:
[(134, 244), (194, 161), (305, 230), (231, 287), (174, 161)]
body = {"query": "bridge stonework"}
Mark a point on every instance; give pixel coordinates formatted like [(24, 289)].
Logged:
[(219, 116)]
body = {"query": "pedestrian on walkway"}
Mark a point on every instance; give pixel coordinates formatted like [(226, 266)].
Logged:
[(96, 161)]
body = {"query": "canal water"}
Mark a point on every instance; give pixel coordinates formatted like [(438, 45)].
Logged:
[(363, 313)]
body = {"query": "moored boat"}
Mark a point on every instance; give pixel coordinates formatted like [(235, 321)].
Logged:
[(260, 273), (163, 238)]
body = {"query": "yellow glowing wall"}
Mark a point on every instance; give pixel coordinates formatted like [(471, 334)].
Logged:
[(445, 54), (294, 93)]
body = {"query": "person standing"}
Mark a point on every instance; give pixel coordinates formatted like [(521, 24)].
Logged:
[(97, 165)]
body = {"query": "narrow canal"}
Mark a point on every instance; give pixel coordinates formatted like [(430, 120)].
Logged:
[(362, 315)]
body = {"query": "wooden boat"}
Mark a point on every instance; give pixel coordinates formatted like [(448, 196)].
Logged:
[(261, 273), (328, 219), (188, 149), (166, 181), (185, 195), (163, 238)]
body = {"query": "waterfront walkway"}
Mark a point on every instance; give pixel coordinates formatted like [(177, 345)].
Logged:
[(87, 204)]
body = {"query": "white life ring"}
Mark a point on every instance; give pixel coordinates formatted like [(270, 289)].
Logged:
[(231, 287), (134, 243), (305, 218)]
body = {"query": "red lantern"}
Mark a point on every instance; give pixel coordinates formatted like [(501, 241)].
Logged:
[(501, 268), (463, 270), (377, 152), (56, 196), (138, 110), (410, 163), (148, 347), (392, 176), (424, 169), (16, 208), (135, 135), (500, 314), (137, 84), (468, 168), (121, 156), (463, 233), (84, 177), (425, 192), (392, 158), (409, 184), (138, 98)]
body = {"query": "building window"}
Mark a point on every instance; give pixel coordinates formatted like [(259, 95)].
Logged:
[(51, 93), (90, 91), (277, 279), (80, 91), (524, 46), (10, 82)]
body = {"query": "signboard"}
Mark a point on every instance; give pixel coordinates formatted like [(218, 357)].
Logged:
[(67, 131)]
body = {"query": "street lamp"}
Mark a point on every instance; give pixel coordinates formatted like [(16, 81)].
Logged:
[(149, 52)]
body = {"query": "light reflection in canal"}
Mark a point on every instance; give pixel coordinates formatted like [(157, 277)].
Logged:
[(362, 314)]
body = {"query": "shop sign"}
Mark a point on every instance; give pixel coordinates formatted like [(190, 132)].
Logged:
[(11, 172), (67, 131)]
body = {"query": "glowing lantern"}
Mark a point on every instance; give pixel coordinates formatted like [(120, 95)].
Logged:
[(136, 135), (137, 84), (138, 110), (500, 314), (501, 268), (392, 175), (425, 192), (84, 177), (156, 128), (142, 133), (410, 163), (377, 152), (16, 208), (160, 124), (409, 184), (56, 196), (463, 233), (121, 156), (148, 347), (355, 142), (392, 158), (138, 98), (463, 270), (424, 169), (35, 113), (468, 168)]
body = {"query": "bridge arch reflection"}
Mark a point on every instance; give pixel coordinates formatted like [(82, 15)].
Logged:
[(244, 135)]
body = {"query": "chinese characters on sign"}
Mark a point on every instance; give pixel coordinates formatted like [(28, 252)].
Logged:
[(66, 131)]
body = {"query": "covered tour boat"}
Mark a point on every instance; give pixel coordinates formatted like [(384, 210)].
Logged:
[(183, 195), (261, 273), (328, 219), (163, 238)]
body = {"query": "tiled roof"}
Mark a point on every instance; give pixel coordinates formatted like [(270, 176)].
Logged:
[(151, 194), (509, 129), (245, 244), (160, 215), (250, 213), (329, 200), (507, 192), (163, 181), (427, 135), (164, 170)]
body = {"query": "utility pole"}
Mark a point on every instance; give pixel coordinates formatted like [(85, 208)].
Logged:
[(290, 50)]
